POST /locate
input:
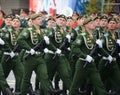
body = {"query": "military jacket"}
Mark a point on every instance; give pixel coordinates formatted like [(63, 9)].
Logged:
[(30, 37), (109, 41), (9, 35), (57, 37), (83, 45)]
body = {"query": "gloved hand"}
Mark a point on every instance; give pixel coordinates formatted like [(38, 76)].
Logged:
[(32, 51), (118, 41), (99, 43), (109, 58), (68, 49), (12, 54), (89, 58), (46, 50), (1, 42), (58, 51), (47, 41), (68, 37)]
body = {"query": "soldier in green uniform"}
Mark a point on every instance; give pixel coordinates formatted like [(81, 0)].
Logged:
[(56, 61), (3, 83), (27, 40), (85, 67), (10, 59), (109, 70)]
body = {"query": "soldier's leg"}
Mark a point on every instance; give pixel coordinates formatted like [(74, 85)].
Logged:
[(78, 79), (65, 72), (57, 80), (18, 71), (115, 77), (97, 82), (3, 83), (28, 68)]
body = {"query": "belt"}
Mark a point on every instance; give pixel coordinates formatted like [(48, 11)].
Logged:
[(37, 52), (105, 58), (7, 53)]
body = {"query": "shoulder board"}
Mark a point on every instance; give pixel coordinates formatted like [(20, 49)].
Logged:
[(77, 28), (83, 34), (29, 28), (45, 30), (106, 34), (10, 29), (54, 28)]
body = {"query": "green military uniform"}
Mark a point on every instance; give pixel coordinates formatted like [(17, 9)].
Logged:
[(58, 62), (27, 40), (110, 72), (82, 47), (3, 83), (14, 63)]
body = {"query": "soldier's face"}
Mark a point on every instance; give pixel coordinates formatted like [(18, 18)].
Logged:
[(112, 25), (69, 22), (91, 25), (8, 21), (60, 22), (51, 23), (103, 22), (97, 22), (30, 23), (16, 23), (37, 21)]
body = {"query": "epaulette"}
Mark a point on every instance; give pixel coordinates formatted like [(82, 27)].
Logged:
[(83, 34), (77, 28), (106, 34), (10, 29), (29, 28)]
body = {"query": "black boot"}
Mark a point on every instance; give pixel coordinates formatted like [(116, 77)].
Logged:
[(17, 91), (7, 91), (30, 90), (54, 91)]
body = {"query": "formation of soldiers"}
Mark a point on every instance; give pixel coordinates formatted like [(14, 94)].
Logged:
[(85, 57)]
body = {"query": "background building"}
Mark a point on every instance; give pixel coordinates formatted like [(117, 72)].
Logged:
[(11, 6)]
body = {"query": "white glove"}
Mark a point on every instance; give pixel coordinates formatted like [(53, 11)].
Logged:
[(47, 41), (119, 54), (68, 48), (68, 37), (32, 51), (1, 42), (99, 43), (58, 51), (89, 58), (118, 42), (110, 58), (46, 50), (12, 54)]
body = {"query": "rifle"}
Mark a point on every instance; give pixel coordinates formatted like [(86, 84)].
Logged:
[(14, 50), (61, 46), (91, 54), (35, 48), (112, 53)]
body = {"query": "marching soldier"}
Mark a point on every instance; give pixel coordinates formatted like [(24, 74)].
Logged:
[(109, 70), (85, 69), (57, 58), (10, 59), (3, 83), (28, 39)]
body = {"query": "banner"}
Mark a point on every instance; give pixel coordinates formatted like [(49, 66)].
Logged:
[(53, 7)]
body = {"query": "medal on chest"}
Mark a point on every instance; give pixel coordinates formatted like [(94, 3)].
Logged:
[(109, 44), (88, 42), (58, 37), (13, 38), (34, 37)]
